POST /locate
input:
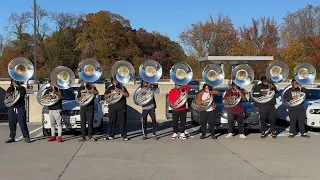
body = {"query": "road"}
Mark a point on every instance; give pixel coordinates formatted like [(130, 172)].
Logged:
[(225, 159)]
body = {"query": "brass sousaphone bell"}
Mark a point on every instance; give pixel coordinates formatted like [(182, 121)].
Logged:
[(122, 71), (61, 77), (276, 73), (304, 74), (213, 75), (20, 69), (181, 74), (150, 71), (242, 75), (89, 71)]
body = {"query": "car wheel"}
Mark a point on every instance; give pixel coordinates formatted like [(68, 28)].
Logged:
[(46, 132)]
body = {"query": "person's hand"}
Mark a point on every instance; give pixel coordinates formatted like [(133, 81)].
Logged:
[(300, 87), (295, 97), (200, 102)]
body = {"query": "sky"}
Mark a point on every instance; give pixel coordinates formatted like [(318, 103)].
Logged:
[(169, 17)]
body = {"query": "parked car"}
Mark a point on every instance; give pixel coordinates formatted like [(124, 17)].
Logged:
[(101, 80), (34, 80), (138, 80), (251, 120), (312, 106), (71, 113)]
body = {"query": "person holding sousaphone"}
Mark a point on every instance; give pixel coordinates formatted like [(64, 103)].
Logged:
[(207, 115)]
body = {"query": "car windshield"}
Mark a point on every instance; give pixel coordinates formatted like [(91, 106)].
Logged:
[(69, 93)]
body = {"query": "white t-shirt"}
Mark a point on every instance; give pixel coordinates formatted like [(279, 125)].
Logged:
[(204, 97)]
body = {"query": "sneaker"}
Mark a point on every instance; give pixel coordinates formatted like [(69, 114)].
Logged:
[(10, 141), (155, 137), (52, 138), (305, 135), (174, 136), (27, 140), (242, 136), (263, 135), (213, 137), (92, 139), (82, 139), (60, 139), (201, 137), (273, 135), (107, 138), (144, 137), (126, 139), (183, 136), (229, 135), (291, 135)]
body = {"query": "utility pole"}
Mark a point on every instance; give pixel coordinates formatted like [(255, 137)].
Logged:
[(35, 37)]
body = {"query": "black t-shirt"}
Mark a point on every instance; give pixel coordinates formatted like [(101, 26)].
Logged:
[(81, 90), (22, 91), (57, 105), (259, 90), (288, 95), (121, 104), (153, 101)]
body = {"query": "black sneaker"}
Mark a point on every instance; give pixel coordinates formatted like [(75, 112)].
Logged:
[(82, 139), (27, 140), (263, 135), (144, 137), (291, 135), (273, 135), (305, 135), (10, 141), (92, 139), (213, 137), (201, 137), (155, 137)]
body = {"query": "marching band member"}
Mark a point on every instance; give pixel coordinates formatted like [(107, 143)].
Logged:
[(55, 112), (179, 113), (267, 110), (117, 111), (149, 109), (17, 113), (207, 116), (296, 113), (236, 113), (87, 112)]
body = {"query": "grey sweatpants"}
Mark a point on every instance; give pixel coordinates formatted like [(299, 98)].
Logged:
[(55, 118)]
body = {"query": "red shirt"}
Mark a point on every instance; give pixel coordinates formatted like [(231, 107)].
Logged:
[(238, 108), (173, 96)]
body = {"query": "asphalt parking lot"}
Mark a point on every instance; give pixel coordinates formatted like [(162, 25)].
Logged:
[(225, 159)]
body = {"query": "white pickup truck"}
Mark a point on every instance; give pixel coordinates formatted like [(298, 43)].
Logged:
[(71, 113)]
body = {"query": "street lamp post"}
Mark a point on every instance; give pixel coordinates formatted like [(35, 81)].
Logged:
[(35, 37)]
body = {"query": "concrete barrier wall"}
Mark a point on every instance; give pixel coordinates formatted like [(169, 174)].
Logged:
[(134, 111)]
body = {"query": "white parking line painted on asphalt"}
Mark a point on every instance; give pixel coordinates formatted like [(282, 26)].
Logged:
[(30, 132), (38, 135), (314, 133)]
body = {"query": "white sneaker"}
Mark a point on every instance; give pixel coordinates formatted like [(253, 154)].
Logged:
[(174, 136), (183, 136), (242, 136), (229, 135)]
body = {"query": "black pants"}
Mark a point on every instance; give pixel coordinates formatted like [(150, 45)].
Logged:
[(232, 117), (18, 115), (207, 117), (300, 116), (86, 116), (121, 116), (267, 113), (152, 114), (176, 116)]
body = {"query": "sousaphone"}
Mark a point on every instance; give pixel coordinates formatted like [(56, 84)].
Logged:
[(123, 72), (181, 74), (20, 69), (242, 75), (276, 73), (89, 71), (213, 75), (61, 77), (304, 74), (150, 71)]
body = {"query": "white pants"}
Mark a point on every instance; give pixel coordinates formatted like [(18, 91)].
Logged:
[(55, 118)]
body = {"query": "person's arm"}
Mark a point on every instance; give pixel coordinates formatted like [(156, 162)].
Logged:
[(214, 92), (22, 91), (187, 88), (94, 90), (155, 87), (305, 90), (124, 92), (274, 87), (9, 91), (256, 92), (172, 96), (228, 93), (59, 93), (199, 98), (241, 93), (79, 93), (287, 96)]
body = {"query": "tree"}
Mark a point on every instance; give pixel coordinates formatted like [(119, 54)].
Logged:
[(213, 37), (64, 20)]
